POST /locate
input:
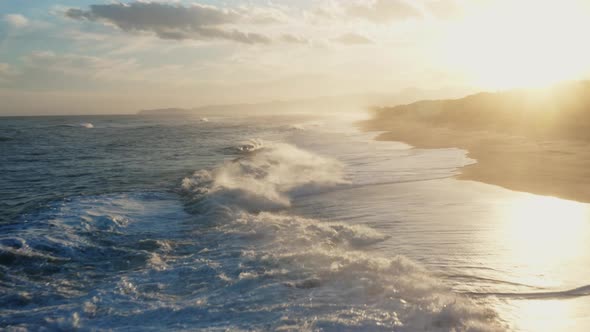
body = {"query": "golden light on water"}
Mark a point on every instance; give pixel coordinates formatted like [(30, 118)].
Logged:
[(549, 315), (546, 241), (541, 228)]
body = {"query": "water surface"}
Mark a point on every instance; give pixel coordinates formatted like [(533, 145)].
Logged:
[(287, 222)]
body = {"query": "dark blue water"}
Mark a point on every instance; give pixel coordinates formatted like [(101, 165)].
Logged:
[(47, 158), (264, 223)]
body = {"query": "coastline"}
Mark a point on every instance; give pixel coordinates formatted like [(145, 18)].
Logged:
[(549, 167)]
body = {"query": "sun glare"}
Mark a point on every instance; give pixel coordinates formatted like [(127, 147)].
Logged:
[(546, 236), (542, 228), (521, 44)]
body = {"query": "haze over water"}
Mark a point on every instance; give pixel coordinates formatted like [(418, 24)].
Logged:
[(289, 223)]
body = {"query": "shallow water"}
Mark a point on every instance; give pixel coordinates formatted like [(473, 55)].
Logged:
[(281, 223)]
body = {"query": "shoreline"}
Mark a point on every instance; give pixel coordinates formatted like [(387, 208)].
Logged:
[(548, 167)]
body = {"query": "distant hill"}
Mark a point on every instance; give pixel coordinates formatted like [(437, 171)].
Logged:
[(267, 108), (323, 105), (163, 110), (526, 140), (562, 111)]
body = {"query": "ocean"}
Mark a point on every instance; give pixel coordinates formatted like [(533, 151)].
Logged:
[(290, 223)]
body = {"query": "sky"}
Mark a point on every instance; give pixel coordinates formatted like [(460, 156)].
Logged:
[(96, 56)]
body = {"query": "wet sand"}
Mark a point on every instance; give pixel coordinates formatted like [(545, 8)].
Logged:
[(552, 160)]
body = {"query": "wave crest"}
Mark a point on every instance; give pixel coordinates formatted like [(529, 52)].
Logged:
[(247, 199), (328, 258), (265, 178)]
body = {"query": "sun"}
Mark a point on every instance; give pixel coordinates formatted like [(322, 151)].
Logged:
[(511, 44)]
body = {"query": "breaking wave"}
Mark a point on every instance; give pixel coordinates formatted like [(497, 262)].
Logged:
[(264, 178), (330, 261)]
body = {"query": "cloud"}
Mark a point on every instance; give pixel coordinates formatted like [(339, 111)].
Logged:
[(177, 22), (383, 11), (353, 39), (443, 8), (80, 65), (6, 72), (292, 39), (81, 36), (16, 20)]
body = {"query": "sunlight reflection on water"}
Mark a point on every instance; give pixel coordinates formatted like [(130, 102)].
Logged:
[(549, 237), (544, 232)]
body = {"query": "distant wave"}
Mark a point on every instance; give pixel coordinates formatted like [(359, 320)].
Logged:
[(490, 280), (87, 125), (250, 145), (244, 147), (304, 126), (297, 127), (574, 292)]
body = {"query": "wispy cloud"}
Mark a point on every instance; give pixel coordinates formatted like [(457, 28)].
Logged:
[(353, 39), (16, 20), (6, 72), (292, 39), (80, 65), (383, 11), (178, 22), (443, 9)]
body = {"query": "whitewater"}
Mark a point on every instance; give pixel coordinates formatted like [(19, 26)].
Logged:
[(285, 223)]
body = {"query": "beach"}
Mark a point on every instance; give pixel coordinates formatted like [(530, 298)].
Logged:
[(535, 156)]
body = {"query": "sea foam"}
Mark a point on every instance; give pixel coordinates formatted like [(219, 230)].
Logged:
[(250, 196), (264, 177)]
